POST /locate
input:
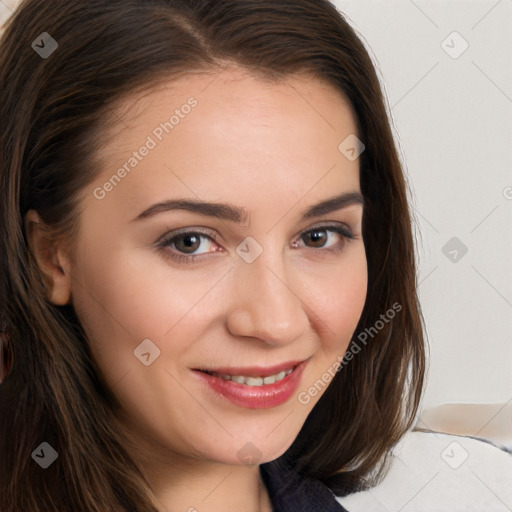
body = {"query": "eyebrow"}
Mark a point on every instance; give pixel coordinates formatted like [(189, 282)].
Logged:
[(239, 214)]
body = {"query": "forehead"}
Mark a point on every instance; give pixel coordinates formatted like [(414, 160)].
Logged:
[(243, 97), (215, 133), (234, 84)]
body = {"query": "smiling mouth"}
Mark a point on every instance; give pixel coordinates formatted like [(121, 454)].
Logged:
[(252, 381), (253, 376), (255, 387)]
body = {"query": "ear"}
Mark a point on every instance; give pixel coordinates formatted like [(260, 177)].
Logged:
[(51, 259)]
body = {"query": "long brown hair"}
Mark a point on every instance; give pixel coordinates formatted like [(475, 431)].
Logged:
[(54, 112)]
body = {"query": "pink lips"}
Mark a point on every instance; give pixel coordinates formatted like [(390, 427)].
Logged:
[(255, 397), (253, 371)]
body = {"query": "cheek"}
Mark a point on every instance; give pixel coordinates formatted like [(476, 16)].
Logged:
[(128, 293), (339, 303), (122, 299)]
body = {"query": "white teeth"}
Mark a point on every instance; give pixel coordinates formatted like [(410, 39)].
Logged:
[(254, 381), (270, 379)]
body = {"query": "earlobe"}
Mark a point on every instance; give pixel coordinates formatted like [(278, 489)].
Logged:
[(51, 259)]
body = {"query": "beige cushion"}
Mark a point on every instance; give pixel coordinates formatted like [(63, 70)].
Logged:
[(433, 472)]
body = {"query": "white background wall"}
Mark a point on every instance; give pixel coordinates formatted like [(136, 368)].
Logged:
[(6, 8), (453, 121)]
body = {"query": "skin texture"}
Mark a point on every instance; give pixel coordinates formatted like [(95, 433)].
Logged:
[(273, 149)]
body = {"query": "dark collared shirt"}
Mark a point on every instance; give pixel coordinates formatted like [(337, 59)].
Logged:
[(290, 492)]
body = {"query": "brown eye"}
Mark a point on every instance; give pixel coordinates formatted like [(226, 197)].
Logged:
[(317, 236), (187, 243), (329, 238)]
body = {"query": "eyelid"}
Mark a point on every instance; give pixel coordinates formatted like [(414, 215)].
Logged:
[(327, 225), (170, 234)]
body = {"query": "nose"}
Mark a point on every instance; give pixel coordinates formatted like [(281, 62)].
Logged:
[(266, 304)]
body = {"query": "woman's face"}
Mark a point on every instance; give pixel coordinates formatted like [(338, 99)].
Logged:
[(164, 291)]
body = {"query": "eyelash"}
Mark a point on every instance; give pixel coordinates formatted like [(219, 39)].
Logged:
[(163, 243)]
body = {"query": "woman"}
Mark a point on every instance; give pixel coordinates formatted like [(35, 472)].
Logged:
[(208, 279)]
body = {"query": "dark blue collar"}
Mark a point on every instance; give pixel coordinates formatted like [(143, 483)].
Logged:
[(290, 492)]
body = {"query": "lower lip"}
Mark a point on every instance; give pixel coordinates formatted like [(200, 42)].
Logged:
[(255, 397)]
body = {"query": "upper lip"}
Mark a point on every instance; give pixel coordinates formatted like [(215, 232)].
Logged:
[(253, 371)]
